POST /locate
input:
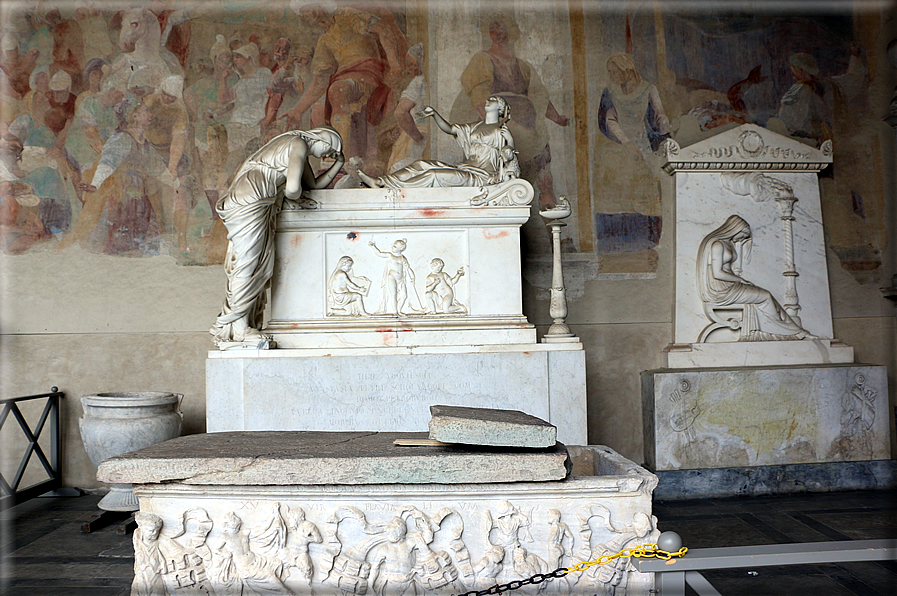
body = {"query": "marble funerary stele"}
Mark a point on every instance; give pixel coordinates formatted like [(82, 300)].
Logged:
[(751, 277)]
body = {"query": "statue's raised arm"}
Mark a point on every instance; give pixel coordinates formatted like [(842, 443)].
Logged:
[(489, 155), (271, 179)]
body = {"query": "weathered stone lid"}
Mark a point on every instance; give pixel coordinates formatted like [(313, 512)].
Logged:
[(492, 427), (286, 458)]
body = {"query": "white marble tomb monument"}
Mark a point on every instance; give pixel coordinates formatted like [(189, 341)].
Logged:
[(754, 375), (385, 301)]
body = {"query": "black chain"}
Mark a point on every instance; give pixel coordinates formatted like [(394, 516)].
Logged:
[(519, 583)]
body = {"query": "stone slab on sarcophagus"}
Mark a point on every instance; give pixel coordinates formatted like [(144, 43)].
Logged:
[(384, 302)]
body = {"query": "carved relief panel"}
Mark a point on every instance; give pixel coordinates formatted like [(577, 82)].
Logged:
[(277, 547), (407, 274)]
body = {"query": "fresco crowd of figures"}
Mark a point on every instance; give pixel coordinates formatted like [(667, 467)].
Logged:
[(411, 552), (121, 127)]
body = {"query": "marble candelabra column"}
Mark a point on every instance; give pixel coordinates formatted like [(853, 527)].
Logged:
[(559, 332), (792, 305)]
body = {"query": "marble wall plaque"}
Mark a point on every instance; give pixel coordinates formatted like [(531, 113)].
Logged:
[(773, 416)]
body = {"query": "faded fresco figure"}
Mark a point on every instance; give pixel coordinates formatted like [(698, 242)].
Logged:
[(721, 285), (488, 147), (356, 65), (633, 124), (15, 68), (411, 142), (168, 134), (497, 71), (68, 48), (207, 102), (248, 97), (20, 223), (271, 179), (808, 108), (284, 86), (127, 178)]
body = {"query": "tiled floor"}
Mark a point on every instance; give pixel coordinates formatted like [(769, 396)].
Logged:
[(44, 552), (779, 520)]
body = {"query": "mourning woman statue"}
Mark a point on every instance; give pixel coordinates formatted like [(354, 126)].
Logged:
[(271, 179), (489, 156), (721, 286)]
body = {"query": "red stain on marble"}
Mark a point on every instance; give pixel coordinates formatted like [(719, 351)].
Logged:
[(502, 234)]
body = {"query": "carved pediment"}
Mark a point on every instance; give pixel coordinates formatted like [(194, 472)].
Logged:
[(748, 147)]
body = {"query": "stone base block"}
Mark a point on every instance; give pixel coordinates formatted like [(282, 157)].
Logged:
[(764, 481), (758, 353), (392, 389), (395, 539), (729, 418)]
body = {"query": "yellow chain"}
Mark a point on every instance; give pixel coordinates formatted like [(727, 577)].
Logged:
[(645, 551)]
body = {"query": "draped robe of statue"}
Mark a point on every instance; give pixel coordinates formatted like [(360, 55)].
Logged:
[(488, 159), (249, 210), (763, 317)]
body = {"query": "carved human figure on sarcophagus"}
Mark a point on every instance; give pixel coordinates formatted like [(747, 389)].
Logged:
[(345, 291), (248, 571), (271, 179), (613, 577), (397, 286), (164, 566), (395, 557), (488, 147), (440, 292), (724, 291)]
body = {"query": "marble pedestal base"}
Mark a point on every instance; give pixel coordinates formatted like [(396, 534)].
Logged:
[(728, 418), (391, 389), (764, 481), (390, 538)]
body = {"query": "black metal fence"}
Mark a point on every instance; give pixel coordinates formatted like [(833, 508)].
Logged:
[(11, 494)]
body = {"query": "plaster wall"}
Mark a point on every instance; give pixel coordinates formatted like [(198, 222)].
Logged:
[(89, 322)]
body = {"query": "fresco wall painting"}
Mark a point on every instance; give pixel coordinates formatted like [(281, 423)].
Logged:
[(119, 126)]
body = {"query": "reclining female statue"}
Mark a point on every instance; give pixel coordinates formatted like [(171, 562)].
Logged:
[(489, 156), (271, 179), (721, 286)]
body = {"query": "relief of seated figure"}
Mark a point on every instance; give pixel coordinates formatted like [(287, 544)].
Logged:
[(722, 288), (488, 147)]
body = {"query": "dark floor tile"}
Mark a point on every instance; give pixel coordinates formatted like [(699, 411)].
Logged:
[(790, 527), (765, 583), (713, 532), (864, 525), (66, 591)]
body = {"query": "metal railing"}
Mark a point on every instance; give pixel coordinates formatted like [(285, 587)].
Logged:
[(11, 494), (672, 576)]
